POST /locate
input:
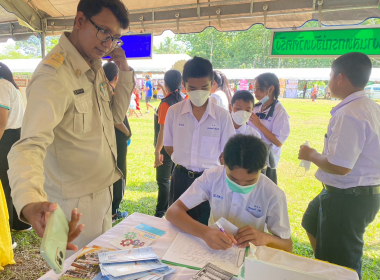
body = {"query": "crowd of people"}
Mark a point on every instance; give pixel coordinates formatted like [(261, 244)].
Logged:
[(216, 153)]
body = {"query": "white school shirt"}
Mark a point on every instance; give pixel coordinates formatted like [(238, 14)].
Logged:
[(278, 124), (197, 145), (220, 98), (353, 141), (264, 207), (11, 99), (248, 130)]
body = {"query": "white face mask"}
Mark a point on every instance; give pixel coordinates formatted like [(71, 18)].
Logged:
[(241, 117), (198, 97), (265, 99)]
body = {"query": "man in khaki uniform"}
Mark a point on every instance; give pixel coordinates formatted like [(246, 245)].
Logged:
[(67, 151)]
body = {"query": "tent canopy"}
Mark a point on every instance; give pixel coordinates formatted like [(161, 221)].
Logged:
[(21, 18)]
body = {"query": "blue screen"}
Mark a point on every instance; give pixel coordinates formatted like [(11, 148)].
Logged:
[(136, 46)]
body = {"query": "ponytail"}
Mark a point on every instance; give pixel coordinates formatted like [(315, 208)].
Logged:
[(222, 82)]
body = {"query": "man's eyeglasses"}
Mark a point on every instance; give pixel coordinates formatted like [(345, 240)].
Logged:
[(104, 36)]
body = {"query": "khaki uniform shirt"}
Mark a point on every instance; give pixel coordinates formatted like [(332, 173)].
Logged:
[(67, 147)]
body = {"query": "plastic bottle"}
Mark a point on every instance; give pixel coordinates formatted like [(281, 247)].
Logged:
[(305, 163)]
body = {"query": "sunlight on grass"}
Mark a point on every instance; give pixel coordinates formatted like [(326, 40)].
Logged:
[(308, 122)]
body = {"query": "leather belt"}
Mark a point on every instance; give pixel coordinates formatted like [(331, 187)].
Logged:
[(191, 174), (360, 190)]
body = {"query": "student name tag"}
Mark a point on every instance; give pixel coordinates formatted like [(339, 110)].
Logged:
[(79, 91)]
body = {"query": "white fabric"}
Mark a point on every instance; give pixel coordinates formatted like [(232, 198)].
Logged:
[(353, 141), (248, 130), (220, 99), (133, 104), (197, 145), (11, 99), (278, 125), (264, 206), (160, 246)]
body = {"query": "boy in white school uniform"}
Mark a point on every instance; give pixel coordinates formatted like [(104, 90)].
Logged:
[(241, 109), (238, 192), (349, 167), (196, 131)]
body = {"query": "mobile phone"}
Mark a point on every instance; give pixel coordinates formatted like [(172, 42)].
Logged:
[(54, 241)]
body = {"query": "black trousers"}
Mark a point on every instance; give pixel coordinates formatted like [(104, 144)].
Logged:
[(271, 174), (179, 184), (10, 137), (163, 173), (338, 222), (119, 186)]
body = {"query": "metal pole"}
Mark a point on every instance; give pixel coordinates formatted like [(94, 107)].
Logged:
[(43, 44)]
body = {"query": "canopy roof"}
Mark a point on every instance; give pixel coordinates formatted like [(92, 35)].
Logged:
[(20, 18)]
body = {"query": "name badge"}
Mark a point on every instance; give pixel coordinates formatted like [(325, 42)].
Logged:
[(255, 210), (79, 91)]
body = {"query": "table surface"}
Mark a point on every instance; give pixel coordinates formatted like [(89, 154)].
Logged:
[(160, 246)]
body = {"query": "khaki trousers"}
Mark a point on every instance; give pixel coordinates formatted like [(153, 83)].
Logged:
[(96, 215)]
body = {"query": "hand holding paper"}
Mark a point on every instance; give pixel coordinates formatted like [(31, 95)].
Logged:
[(248, 234)]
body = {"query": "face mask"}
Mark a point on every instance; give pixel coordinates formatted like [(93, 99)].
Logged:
[(237, 188), (241, 117), (265, 99), (198, 97)]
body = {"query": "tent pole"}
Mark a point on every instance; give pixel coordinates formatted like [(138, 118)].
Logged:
[(43, 44)]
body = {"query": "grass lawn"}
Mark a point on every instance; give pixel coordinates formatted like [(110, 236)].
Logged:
[(308, 122)]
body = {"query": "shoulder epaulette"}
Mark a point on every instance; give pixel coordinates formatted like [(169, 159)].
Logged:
[(56, 59)]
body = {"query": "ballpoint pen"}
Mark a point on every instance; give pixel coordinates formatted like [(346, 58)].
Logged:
[(222, 230)]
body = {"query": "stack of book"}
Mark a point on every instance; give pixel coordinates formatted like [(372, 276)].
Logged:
[(140, 263)]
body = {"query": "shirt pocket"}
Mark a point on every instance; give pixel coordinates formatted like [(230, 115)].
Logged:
[(255, 211), (209, 147), (84, 120), (106, 103)]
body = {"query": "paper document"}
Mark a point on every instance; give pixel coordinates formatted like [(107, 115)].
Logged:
[(227, 226), (137, 237), (128, 255), (124, 269), (193, 252)]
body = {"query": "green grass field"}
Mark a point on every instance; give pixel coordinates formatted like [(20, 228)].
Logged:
[(308, 122)]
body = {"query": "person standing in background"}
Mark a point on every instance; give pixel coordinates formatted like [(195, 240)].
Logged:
[(123, 134), (304, 91), (11, 115), (270, 118), (148, 93), (163, 162), (220, 92), (314, 92)]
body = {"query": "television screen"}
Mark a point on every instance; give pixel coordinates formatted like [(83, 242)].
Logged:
[(137, 45)]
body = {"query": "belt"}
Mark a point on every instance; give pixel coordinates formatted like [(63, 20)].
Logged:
[(191, 174), (360, 190)]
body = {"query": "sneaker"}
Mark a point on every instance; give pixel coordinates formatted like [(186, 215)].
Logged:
[(147, 112), (119, 215), (22, 230), (14, 244)]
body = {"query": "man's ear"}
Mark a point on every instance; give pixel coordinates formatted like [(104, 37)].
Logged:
[(79, 20), (221, 158)]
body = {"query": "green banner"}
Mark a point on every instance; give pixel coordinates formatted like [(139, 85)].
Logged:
[(326, 42)]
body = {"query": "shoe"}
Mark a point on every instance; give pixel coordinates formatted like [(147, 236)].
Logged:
[(119, 215), (22, 230), (14, 244), (147, 112)]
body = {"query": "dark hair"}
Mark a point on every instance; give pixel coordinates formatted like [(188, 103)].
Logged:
[(222, 82), (266, 80), (355, 66), (173, 79), (6, 73), (91, 8), (197, 67), (148, 77), (245, 151), (244, 95), (111, 70)]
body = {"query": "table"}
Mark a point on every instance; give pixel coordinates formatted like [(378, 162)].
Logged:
[(160, 246)]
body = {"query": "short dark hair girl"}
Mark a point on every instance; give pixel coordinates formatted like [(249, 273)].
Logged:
[(173, 80), (266, 80), (6, 74)]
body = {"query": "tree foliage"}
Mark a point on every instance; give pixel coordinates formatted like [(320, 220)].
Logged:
[(169, 46)]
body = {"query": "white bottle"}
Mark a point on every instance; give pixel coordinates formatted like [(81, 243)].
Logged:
[(305, 163)]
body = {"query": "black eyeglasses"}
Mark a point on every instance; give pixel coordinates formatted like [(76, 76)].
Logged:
[(104, 36)]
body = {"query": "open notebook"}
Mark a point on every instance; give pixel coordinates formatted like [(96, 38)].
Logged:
[(192, 252)]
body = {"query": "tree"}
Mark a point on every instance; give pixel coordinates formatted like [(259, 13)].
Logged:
[(169, 46)]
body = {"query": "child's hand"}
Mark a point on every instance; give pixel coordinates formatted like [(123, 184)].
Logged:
[(255, 120), (249, 234), (217, 240), (158, 161)]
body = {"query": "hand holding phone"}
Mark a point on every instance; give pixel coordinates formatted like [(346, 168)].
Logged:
[(37, 214)]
